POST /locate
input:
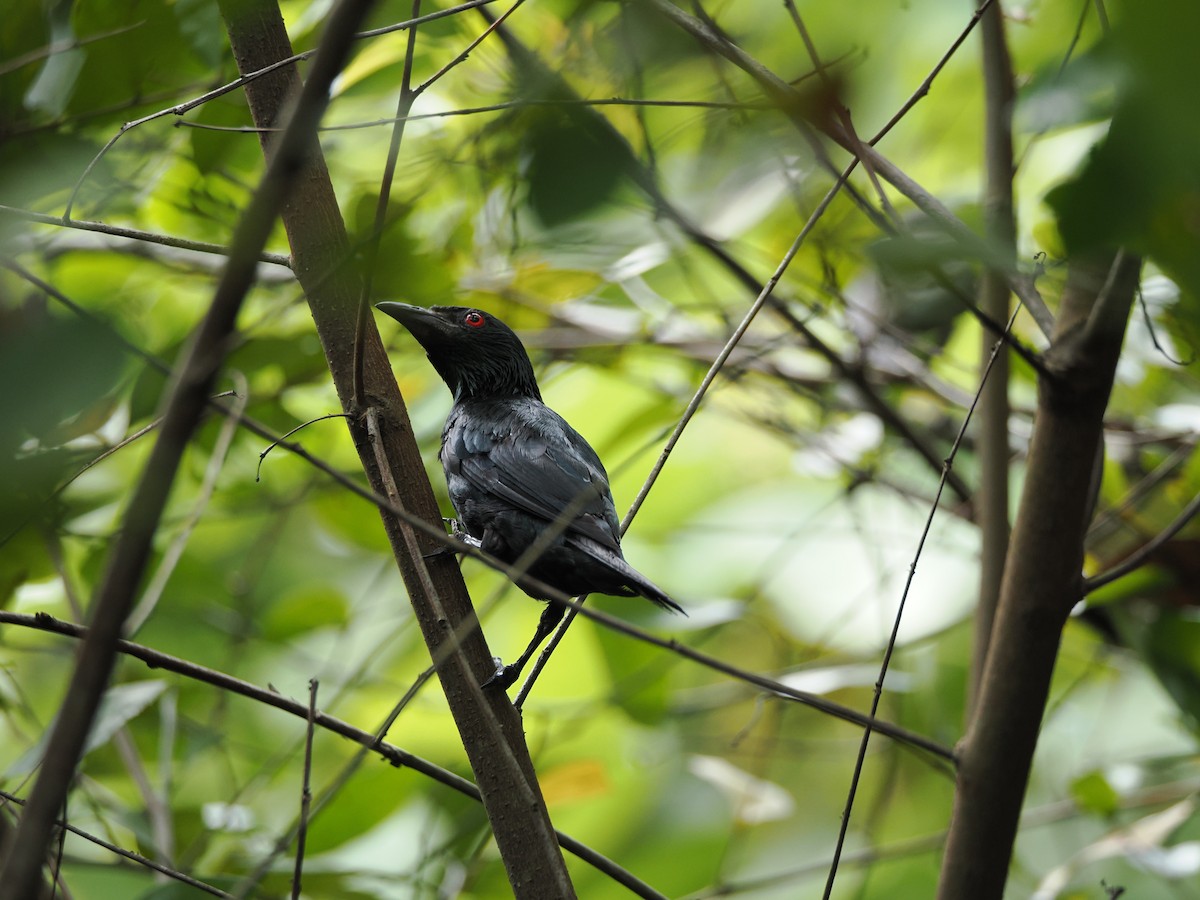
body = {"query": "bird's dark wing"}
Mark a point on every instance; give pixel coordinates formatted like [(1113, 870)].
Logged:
[(525, 454)]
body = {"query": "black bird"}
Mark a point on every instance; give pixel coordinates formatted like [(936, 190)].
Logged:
[(517, 471)]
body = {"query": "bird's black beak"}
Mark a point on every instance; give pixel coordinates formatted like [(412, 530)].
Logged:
[(424, 324)]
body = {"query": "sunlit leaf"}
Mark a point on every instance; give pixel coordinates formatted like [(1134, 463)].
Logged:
[(120, 704)]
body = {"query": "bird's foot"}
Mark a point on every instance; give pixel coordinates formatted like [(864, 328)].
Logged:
[(504, 677), (459, 535), (467, 539)]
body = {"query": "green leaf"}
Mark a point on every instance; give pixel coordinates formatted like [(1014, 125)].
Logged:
[(639, 684), (575, 162), (306, 609), (201, 26), (1092, 793), (52, 90), (1141, 185), (120, 705), (64, 366)]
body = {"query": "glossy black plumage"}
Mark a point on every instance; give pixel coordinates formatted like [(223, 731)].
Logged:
[(515, 468)]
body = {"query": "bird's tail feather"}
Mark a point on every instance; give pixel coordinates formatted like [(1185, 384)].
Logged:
[(639, 584), (651, 591), (634, 582)]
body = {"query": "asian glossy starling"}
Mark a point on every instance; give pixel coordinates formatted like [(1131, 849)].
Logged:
[(517, 471)]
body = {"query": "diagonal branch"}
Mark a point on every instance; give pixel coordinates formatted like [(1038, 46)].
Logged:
[(246, 78), (396, 756), (188, 398), (791, 104), (148, 237), (490, 729), (645, 179), (1143, 554)]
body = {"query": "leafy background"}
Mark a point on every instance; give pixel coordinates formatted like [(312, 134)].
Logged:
[(785, 520)]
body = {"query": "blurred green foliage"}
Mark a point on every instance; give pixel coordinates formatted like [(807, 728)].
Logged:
[(785, 520)]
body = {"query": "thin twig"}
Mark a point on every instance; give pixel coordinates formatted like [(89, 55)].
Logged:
[(125, 442), (839, 108), (181, 108), (690, 411), (466, 51), (394, 755), (496, 107), (420, 525), (208, 485), (1113, 516), (891, 644), (149, 237), (1142, 555), (371, 250), (993, 441), (252, 879), (790, 103), (282, 439), (408, 96), (64, 46), (188, 397), (306, 789), (128, 854), (645, 180)]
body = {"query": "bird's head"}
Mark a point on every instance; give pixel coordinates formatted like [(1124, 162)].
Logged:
[(476, 354)]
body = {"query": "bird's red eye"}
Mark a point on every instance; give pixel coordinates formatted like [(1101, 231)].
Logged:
[(474, 319)]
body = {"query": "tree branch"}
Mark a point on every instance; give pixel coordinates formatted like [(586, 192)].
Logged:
[(491, 731), (394, 755), (1142, 555), (188, 397), (792, 105), (991, 500), (1042, 581), (646, 181), (148, 237)]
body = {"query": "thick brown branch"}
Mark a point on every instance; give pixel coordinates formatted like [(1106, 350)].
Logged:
[(1042, 581), (489, 726), (187, 399)]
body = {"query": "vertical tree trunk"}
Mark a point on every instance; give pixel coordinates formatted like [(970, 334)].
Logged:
[(1042, 578), (991, 499), (490, 728)]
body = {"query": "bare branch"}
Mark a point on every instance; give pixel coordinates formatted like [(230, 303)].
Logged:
[(860, 761), (306, 789), (372, 742), (791, 105), (181, 108), (1042, 583), (130, 855), (149, 237), (188, 398), (646, 181), (992, 507), (1144, 553)]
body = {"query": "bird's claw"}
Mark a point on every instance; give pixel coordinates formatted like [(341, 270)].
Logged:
[(459, 535), (504, 676)]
